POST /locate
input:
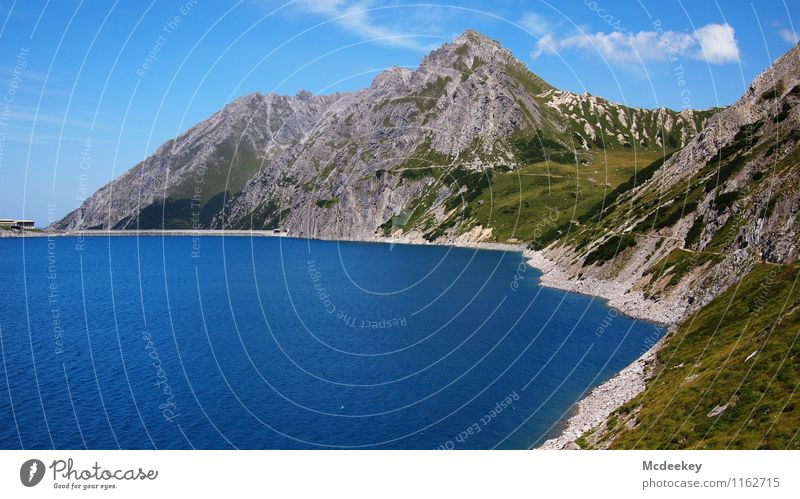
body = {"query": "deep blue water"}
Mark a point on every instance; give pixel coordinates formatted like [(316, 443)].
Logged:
[(213, 342)]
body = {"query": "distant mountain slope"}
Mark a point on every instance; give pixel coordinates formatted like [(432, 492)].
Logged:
[(357, 165), (192, 173)]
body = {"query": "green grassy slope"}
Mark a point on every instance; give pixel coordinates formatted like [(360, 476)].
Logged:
[(708, 363), (535, 203)]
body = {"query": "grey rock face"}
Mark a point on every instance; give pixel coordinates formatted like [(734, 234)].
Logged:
[(215, 156)]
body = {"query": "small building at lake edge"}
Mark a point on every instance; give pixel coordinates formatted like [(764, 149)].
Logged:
[(13, 223)]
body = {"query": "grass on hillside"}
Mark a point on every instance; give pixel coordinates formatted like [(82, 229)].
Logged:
[(710, 362), (534, 202), (680, 262), (225, 171)]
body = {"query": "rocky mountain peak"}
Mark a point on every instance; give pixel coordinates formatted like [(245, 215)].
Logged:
[(478, 41), (304, 94), (392, 78), (466, 53)]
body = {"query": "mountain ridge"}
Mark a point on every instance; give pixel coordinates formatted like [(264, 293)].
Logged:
[(727, 195), (463, 108)]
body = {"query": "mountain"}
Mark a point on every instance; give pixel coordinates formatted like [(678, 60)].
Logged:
[(409, 156), (708, 241)]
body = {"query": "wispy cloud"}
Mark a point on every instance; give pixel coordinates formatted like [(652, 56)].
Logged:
[(32, 82), (714, 43), (26, 74), (45, 138), (535, 23), (788, 36), (360, 19), (27, 117), (51, 119)]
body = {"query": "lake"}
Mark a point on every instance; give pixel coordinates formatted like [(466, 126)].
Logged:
[(281, 343)]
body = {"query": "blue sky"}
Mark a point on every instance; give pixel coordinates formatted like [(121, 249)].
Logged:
[(90, 88)]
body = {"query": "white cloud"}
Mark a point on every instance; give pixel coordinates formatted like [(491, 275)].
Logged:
[(717, 43), (714, 43), (535, 23), (547, 44), (788, 36)]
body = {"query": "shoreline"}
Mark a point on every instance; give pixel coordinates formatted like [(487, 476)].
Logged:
[(593, 410), (618, 295), (587, 413)]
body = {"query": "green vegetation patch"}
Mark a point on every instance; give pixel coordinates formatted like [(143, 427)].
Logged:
[(426, 99), (537, 203), (732, 157), (683, 204), (266, 216), (724, 201), (680, 262), (543, 201), (465, 70), (529, 81), (639, 177), (695, 231), (228, 169), (473, 181), (326, 203), (610, 248), (162, 214), (535, 148), (727, 377), (424, 162)]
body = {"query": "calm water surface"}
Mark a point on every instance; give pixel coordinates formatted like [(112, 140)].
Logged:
[(212, 342)]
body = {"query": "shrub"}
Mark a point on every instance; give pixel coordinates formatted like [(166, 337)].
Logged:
[(775, 91), (724, 201), (609, 248), (327, 203), (694, 232)]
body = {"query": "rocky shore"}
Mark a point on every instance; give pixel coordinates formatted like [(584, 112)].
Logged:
[(593, 410), (618, 294)]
